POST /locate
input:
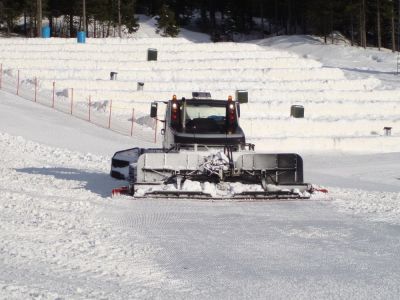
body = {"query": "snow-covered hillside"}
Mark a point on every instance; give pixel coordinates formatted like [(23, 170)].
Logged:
[(342, 112), (63, 237)]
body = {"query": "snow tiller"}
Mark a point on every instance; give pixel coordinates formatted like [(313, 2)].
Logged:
[(205, 155)]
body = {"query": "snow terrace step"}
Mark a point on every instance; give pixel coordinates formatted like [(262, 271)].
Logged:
[(179, 87), (291, 127), (135, 55), (245, 74), (366, 144), (197, 64)]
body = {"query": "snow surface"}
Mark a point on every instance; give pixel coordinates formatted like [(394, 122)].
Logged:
[(63, 237)]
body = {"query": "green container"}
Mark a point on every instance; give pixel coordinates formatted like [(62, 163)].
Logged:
[(242, 96), (297, 111), (151, 54)]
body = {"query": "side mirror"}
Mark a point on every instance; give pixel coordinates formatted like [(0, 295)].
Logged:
[(238, 109), (153, 110), (163, 131)]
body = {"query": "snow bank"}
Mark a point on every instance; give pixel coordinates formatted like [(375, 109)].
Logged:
[(51, 228), (376, 206)]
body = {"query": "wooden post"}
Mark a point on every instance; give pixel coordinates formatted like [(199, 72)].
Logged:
[(155, 132), (54, 93), (133, 117), (72, 99), (36, 84), (18, 83), (109, 118), (90, 103)]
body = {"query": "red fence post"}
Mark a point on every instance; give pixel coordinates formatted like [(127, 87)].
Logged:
[(72, 99), (18, 83), (109, 118), (1, 76), (54, 91), (90, 103), (155, 132), (133, 117), (36, 84)]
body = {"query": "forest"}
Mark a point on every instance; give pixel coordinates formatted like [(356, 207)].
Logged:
[(362, 22)]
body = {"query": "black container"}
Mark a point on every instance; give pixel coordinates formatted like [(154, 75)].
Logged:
[(113, 75), (242, 96), (151, 54), (297, 111)]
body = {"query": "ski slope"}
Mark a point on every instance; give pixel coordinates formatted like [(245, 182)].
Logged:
[(63, 237)]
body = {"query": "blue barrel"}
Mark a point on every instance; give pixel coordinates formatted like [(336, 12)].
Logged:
[(46, 32), (81, 37)]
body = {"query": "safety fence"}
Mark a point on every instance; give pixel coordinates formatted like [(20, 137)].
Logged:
[(98, 112)]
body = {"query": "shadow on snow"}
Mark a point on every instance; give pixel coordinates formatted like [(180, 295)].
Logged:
[(97, 183)]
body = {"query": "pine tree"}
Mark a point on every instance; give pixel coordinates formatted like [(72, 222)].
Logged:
[(378, 23), (229, 26), (10, 11), (128, 15), (166, 22), (320, 19)]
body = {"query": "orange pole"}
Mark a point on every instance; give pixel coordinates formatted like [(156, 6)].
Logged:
[(155, 132), (1, 76), (18, 83), (90, 102), (54, 92), (133, 117), (36, 83), (72, 99), (109, 118)]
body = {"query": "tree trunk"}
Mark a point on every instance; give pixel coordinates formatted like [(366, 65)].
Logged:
[(39, 18), (289, 18), (51, 25), (212, 15), (9, 25), (352, 23), (262, 16), (25, 24), (119, 19), (393, 30), (84, 27), (364, 24), (71, 25), (31, 24), (378, 23), (331, 24), (361, 33), (276, 16), (203, 15)]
